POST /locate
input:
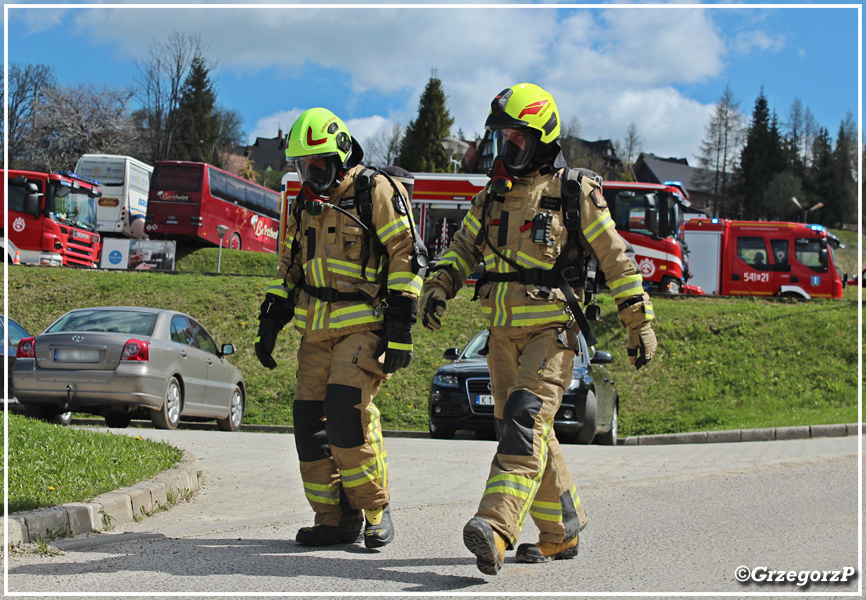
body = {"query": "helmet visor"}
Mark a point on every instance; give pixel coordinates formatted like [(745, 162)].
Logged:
[(515, 146), (319, 171)]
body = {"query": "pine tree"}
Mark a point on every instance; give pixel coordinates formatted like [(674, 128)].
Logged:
[(821, 183), (199, 132), (421, 149), (843, 206), (760, 161)]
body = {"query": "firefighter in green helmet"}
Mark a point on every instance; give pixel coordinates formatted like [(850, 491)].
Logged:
[(531, 226), (349, 275)]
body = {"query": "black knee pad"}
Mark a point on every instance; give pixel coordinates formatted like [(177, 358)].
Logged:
[(518, 422), (311, 440), (343, 422)]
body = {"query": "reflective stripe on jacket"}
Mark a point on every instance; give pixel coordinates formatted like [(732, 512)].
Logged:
[(509, 223), (326, 251)]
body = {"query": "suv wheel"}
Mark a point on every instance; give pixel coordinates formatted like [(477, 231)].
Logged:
[(440, 432)]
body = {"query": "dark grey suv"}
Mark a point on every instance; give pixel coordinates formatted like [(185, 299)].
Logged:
[(460, 397)]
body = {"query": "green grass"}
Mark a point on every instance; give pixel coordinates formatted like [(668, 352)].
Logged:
[(233, 262), (722, 363), (51, 464)]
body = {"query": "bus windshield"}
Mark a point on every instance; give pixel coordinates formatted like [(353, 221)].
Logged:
[(177, 178), (76, 207)]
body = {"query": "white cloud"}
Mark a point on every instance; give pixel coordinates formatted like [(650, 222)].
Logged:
[(267, 127), (607, 67), (751, 41)]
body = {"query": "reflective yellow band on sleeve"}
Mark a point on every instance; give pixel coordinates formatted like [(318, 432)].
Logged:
[(598, 226), (471, 224), (399, 346), (630, 285), (454, 259), (393, 228), (405, 281)]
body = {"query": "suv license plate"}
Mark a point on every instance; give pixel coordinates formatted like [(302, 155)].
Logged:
[(76, 355), (484, 400)]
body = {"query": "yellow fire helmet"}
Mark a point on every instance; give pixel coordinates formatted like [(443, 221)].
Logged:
[(320, 146), (526, 108), (525, 105)]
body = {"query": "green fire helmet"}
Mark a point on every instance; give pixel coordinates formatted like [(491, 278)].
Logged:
[(317, 132), (320, 146), (525, 105)]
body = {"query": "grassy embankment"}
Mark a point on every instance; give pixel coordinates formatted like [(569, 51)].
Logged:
[(50, 464), (722, 363)]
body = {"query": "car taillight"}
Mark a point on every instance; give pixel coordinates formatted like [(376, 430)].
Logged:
[(135, 350), (26, 348)]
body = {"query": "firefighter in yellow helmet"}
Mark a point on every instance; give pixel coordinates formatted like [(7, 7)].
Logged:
[(350, 275), (530, 227)]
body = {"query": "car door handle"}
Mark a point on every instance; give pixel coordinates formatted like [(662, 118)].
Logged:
[(209, 361), (182, 353)]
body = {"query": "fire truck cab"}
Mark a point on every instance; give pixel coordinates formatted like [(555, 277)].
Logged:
[(649, 216), (763, 258), (52, 218)]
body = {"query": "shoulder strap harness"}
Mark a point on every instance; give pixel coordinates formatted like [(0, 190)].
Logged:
[(562, 274), (363, 184)]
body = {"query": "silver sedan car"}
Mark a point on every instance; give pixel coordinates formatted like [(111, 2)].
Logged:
[(125, 362)]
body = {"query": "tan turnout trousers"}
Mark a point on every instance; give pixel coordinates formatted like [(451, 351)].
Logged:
[(529, 475), (338, 435)]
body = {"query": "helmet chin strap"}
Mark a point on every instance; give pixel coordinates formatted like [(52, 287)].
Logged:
[(502, 180)]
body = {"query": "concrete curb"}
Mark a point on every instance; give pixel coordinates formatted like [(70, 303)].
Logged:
[(747, 435), (117, 507)]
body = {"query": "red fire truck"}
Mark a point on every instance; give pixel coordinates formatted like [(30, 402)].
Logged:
[(763, 258), (52, 218), (649, 216)]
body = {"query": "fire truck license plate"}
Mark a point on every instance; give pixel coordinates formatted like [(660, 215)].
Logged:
[(484, 400), (76, 355)]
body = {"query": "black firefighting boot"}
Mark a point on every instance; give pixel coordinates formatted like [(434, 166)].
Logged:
[(378, 529), (346, 532), (542, 552), (486, 544)]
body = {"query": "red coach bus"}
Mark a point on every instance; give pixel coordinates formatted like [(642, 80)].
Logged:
[(189, 200)]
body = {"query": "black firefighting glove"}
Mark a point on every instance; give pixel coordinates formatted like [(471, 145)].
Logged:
[(636, 315), (432, 306), (274, 313), (396, 343)]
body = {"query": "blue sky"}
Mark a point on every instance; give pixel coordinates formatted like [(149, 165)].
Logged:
[(662, 67)]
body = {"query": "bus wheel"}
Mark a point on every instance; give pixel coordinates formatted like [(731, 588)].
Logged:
[(235, 241)]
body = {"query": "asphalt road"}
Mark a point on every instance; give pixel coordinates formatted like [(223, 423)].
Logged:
[(673, 519)]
